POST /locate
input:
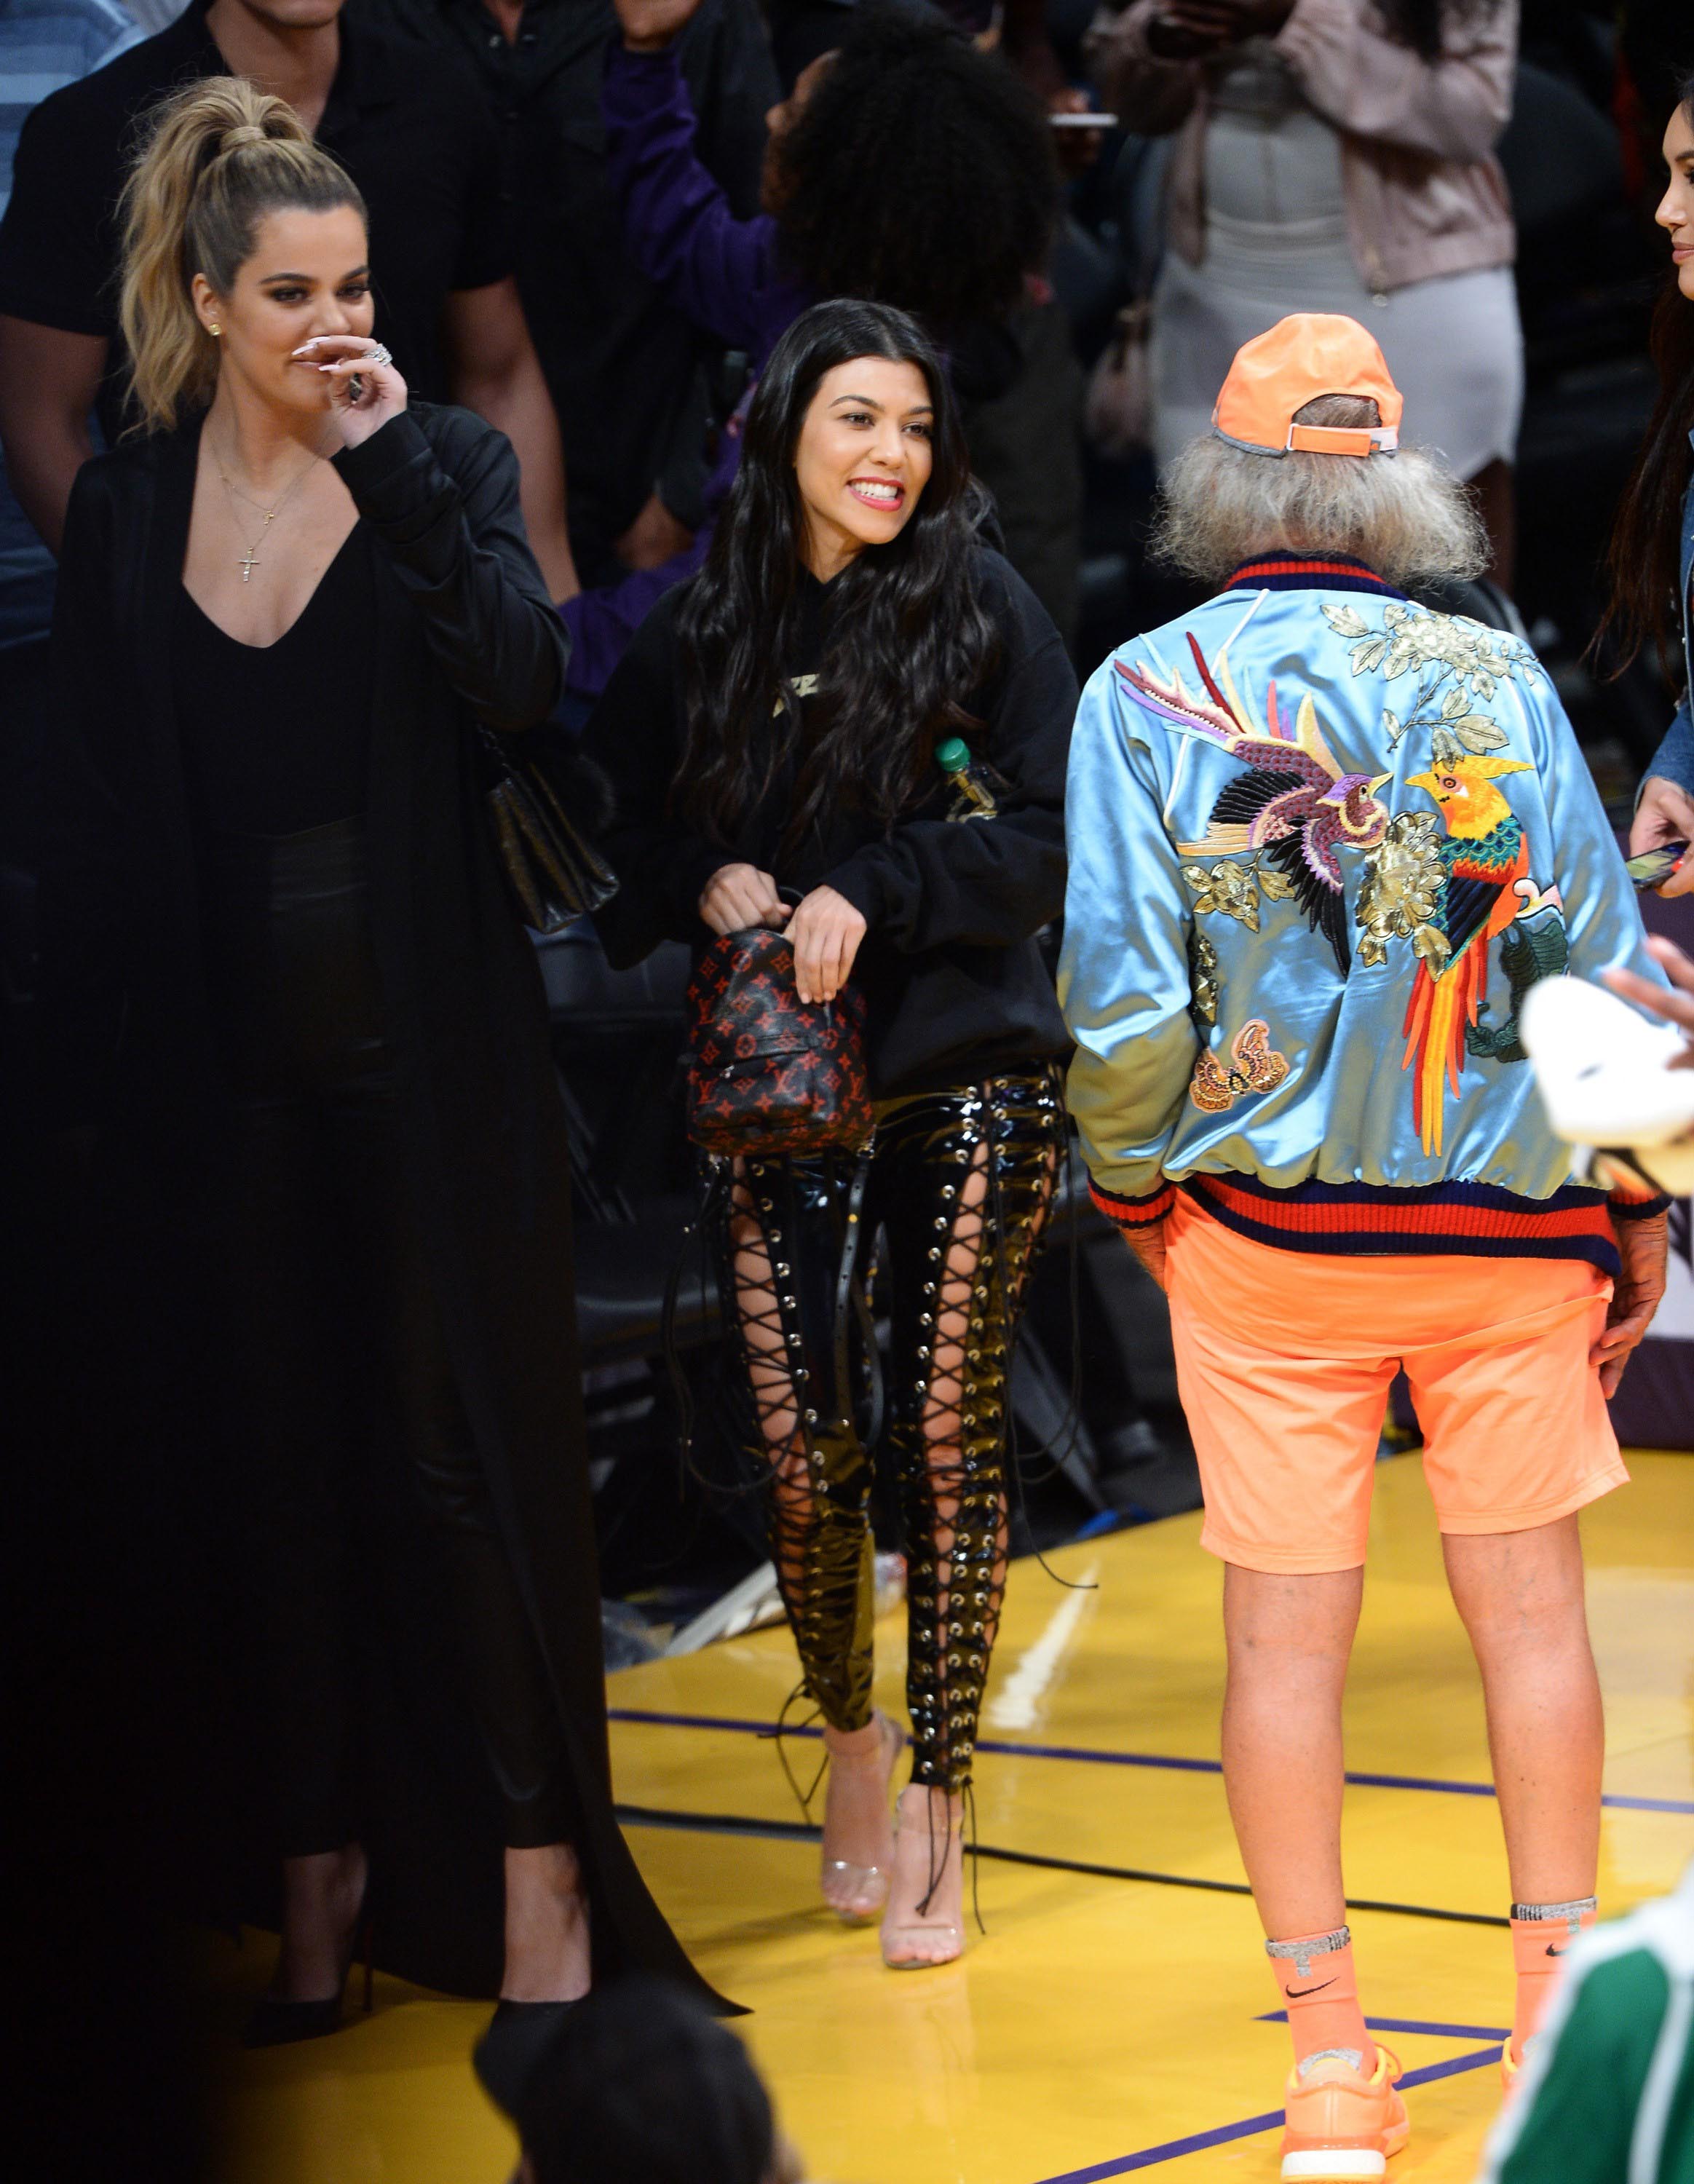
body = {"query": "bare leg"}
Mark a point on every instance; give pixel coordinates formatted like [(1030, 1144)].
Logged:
[(1520, 1595), (321, 1898), (546, 1926), (1289, 1639)]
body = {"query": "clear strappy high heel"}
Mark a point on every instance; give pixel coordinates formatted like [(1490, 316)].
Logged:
[(855, 1893), (924, 1923)]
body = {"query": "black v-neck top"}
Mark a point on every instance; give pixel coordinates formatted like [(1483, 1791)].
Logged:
[(276, 737)]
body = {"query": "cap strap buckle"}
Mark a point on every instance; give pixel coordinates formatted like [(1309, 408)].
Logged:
[(1342, 440)]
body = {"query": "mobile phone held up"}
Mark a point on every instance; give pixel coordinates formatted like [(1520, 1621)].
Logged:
[(1654, 867), (1082, 120)]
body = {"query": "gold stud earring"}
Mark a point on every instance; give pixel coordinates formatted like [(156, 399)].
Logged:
[(215, 331)]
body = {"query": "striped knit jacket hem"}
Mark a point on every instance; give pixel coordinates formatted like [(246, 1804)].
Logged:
[(1474, 1220)]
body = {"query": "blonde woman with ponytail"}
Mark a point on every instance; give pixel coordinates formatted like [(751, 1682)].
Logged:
[(282, 998)]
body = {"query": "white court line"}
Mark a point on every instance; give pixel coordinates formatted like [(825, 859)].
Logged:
[(1017, 1704)]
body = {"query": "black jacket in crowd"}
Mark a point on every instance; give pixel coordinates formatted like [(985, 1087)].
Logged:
[(619, 359), (464, 632), (406, 125), (954, 978)]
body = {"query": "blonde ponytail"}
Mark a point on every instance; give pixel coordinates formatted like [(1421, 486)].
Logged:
[(218, 157)]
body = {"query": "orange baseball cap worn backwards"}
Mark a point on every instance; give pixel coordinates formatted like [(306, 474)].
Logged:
[(1311, 353)]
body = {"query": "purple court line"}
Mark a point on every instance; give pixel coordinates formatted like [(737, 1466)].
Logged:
[(1497, 2032), (1173, 2149), (1092, 1757)]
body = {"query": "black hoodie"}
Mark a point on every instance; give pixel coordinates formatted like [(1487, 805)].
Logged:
[(953, 976)]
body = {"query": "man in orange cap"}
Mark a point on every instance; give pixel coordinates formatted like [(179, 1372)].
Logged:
[(1321, 842)]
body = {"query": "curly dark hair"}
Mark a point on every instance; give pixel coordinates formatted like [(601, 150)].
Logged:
[(909, 638), (920, 173)]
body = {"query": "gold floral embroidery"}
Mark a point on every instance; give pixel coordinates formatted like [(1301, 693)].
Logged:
[(1456, 661), (1231, 888), (1402, 889)]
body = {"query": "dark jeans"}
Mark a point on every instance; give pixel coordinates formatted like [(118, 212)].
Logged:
[(332, 1302)]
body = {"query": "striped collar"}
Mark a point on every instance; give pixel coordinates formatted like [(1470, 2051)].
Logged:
[(1303, 573)]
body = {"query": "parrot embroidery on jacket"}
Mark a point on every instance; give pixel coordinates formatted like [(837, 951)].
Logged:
[(1293, 806), (1485, 860)]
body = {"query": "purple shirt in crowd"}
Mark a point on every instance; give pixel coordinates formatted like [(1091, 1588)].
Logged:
[(723, 272)]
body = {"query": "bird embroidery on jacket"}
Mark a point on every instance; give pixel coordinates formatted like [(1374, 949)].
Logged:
[(1483, 856), (1293, 804)]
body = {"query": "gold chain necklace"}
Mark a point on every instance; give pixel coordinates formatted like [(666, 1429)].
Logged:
[(249, 561)]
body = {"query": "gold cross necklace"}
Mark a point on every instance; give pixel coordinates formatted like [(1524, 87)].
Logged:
[(249, 561)]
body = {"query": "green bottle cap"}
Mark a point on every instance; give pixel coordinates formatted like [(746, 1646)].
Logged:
[(954, 756)]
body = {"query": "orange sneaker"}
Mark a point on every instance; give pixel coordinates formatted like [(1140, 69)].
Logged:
[(1341, 2125)]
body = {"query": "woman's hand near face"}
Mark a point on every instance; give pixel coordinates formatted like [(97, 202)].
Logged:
[(1664, 813), (343, 358), (649, 26), (736, 896), (826, 931)]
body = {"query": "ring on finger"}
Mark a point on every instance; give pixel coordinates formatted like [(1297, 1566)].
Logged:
[(381, 355)]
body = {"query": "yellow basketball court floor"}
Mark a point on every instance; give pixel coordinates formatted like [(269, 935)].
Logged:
[(1114, 2017)]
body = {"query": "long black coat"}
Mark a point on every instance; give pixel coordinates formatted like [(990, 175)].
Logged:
[(463, 630)]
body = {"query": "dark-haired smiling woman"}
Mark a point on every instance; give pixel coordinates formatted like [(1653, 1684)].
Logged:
[(774, 727), (278, 974)]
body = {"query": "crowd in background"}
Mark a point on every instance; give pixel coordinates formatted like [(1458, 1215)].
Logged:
[(590, 224), (591, 221)]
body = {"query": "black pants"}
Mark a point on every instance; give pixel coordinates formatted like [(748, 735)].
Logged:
[(960, 1185), (338, 1333)]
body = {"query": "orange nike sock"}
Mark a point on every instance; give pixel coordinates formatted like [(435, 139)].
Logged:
[(1540, 1934), (1315, 1975)]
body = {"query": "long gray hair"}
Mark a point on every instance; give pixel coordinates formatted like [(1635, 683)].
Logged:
[(1400, 514)]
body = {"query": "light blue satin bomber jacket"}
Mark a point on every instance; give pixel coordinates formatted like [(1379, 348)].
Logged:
[(1321, 842)]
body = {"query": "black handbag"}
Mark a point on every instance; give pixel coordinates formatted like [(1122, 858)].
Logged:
[(552, 873)]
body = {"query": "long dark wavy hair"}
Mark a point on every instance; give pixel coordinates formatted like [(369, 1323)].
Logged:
[(1644, 559), (909, 640), (1419, 23), (920, 172)]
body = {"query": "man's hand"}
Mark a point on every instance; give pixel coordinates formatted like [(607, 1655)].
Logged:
[(736, 896), (826, 931), (649, 26), (1643, 1246), (1147, 1242), (1664, 813), (655, 538)]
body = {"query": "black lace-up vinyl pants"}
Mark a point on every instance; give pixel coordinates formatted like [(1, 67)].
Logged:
[(960, 1185)]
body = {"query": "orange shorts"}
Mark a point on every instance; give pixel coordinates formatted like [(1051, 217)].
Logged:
[(1284, 1360)]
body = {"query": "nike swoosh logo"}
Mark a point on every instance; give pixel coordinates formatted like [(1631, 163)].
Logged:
[(1299, 1993), (1552, 1952)]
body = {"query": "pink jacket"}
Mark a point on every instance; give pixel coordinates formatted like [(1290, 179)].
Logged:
[(1424, 193)]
